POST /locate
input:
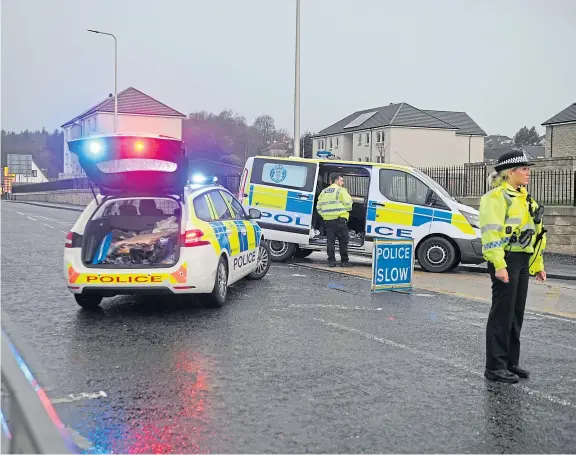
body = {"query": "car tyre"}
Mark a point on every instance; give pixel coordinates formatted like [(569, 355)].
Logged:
[(436, 255), (217, 298), (281, 251), (302, 253), (88, 302), (264, 260)]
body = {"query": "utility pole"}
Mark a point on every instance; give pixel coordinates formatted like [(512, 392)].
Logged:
[(297, 85)]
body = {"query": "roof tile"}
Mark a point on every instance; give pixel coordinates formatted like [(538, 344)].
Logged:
[(567, 115)]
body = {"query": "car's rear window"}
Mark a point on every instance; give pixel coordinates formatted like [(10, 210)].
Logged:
[(141, 206)]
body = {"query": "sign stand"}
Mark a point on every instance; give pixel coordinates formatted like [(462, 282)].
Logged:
[(392, 265)]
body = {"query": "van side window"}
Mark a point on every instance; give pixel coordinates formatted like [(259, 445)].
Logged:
[(399, 186), (284, 174), (222, 211), (238, 211), (201, 208)]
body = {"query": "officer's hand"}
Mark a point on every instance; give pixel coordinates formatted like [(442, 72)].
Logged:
[(541, 276), (502, 275)]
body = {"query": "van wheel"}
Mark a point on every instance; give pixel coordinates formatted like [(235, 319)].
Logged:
[(263, 263), (301, 253), (436, 255), (281, 251), (217, 298), (88, 302)]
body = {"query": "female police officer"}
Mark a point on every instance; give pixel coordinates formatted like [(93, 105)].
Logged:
[(513, 239)]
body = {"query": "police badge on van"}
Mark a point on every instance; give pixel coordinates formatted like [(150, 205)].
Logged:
[(278, 174)]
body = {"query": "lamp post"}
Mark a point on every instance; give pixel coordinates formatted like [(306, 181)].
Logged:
[(115, 75), (297, 85)]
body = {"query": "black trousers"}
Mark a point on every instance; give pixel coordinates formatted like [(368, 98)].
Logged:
[(337, 229), (507, 313)]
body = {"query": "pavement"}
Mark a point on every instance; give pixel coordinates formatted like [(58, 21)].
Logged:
[(304, 361)]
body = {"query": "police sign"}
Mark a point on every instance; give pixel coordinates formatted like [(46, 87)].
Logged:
[(392, 265)]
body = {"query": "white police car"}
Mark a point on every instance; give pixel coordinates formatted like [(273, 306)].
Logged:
[(149, 232)]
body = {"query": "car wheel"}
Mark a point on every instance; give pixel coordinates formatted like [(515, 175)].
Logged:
[(436, 254), (263, 263), (217, 298), (301, 253), (88, 302), (281, 251)]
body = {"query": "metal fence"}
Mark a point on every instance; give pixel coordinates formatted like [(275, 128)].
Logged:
[(549, 187)]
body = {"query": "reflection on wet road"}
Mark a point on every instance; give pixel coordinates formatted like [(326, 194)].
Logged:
[(304, 361)]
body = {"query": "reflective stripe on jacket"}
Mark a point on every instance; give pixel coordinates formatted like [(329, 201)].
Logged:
[(334, 202), (504, 216)]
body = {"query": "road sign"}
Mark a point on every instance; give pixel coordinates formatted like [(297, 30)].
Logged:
[(392, 265)]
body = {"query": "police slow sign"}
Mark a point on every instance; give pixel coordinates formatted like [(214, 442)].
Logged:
[(392, 265)]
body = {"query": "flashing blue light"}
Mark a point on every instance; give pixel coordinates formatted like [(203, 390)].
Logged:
[(215, 179), (95, 148), (198, 178)]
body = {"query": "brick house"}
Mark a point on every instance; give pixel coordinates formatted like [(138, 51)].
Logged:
[(561, 133)]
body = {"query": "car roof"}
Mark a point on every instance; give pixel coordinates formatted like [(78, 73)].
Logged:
[(337, 162)]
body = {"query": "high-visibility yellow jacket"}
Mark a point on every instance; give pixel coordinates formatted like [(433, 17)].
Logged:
[(334, 202), (504, 216)]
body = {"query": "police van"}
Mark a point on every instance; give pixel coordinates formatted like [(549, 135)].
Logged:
[(389, 201), (150, 231)]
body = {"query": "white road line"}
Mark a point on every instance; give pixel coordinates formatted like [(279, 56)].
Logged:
[(46, 218), (82, 442), (51, 227), (321, 305), (436, 358), (79, 396), (547, 316), (64, 232), (20, 213), (30, 218)]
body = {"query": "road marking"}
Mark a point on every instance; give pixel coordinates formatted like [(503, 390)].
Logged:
[(64, 232), (417, 352), (79, 396), (46, 218), (82, 442), (547, 316), (51, 227), (30, 218), (321, 305), (297, 274), (20, 213)]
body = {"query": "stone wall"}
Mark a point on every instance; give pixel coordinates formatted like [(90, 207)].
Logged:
[(560, 221), (67, 197), (561, 140)]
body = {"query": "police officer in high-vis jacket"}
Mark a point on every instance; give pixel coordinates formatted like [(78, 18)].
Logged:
[(333, 206), (513, 240)]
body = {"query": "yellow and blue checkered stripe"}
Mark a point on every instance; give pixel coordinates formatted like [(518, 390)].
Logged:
[(412, 215), (280, 199)]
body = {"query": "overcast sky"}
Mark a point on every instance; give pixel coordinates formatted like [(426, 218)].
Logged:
[(507, 63)]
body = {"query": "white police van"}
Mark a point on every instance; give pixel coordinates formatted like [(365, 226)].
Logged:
[(389, 201), (149, 232)]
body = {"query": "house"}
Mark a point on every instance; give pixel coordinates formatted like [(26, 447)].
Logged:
[(137, 113), (561, 133), (25, 169), (535, 151), (403, 134), (277, 149)]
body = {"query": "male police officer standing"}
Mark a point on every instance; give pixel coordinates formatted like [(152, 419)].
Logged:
[(334, 203)]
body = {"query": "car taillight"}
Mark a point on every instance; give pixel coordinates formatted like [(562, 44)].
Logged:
[(242, 185), (69, 240), (193, 237)]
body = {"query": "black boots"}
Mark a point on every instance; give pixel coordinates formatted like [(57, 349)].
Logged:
[(501, 376)]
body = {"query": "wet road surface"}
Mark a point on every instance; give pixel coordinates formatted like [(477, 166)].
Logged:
[(303, 361)]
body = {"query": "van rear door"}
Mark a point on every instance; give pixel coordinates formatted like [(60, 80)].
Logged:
[(138, 163), (283, 190)]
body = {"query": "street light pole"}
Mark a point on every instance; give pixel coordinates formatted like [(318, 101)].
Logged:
[(297, 85), (115, 76)]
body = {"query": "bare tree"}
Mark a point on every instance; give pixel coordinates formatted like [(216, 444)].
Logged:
[(266, 126)]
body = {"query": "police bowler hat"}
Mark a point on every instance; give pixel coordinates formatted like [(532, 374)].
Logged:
[(509, 160)]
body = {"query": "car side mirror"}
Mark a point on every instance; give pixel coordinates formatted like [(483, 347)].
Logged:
[(254, 214)]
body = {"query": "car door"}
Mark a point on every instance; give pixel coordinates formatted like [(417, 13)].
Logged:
[(249, 234), (397, 206), (283, 190)]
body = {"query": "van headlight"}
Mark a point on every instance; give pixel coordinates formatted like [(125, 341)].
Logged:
[(473, 219)]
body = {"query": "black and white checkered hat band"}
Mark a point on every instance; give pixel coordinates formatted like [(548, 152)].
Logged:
[(516, 160)]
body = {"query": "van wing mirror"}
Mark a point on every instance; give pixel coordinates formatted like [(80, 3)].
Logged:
[(254, 214)]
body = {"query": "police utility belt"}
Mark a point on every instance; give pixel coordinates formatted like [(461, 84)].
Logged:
[(524, 238)]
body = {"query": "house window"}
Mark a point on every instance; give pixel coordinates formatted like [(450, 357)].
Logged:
[(367, 138), (379, 136), (336, 142), (360, 139), (320, 145), (330, 142)]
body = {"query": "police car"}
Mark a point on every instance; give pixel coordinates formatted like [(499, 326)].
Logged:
[(389, 201), (150, 231)]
